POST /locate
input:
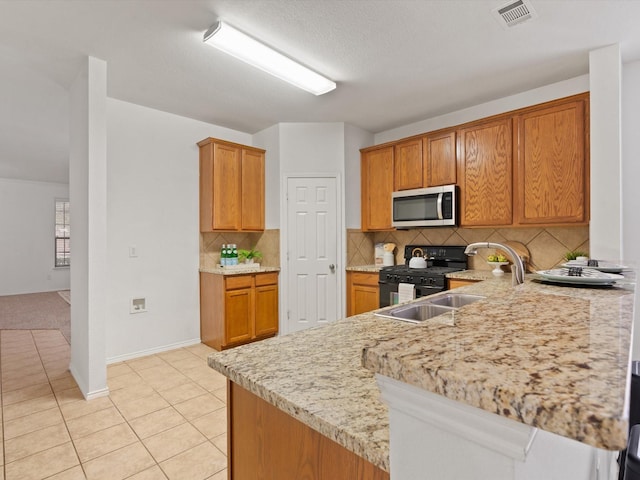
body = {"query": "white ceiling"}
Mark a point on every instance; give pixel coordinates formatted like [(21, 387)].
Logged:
[(395, 61)]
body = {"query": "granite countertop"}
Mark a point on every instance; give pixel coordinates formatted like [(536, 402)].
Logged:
[(238, 271), (317, 377), (474, 275), (551, 357), (364, 268), (555, 358)]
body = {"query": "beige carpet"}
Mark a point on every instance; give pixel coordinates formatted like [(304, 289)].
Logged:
[(36, 311)]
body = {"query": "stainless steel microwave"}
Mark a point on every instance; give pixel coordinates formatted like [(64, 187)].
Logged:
[(424, 207)]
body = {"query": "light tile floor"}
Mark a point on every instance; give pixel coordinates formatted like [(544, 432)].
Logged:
[(165, 416)]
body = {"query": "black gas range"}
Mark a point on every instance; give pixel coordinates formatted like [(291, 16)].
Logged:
[(440, 261)]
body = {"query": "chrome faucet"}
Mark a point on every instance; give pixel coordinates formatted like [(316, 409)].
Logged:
[(518, 274)]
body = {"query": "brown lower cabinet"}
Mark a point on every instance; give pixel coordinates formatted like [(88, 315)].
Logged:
[(453, 283), (267, 443), (363, 292), (237, 309)]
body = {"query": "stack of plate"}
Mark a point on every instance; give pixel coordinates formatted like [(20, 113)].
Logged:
[(601, 265), (587, 275)]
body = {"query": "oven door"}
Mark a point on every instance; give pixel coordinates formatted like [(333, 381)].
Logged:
[(386, 289)]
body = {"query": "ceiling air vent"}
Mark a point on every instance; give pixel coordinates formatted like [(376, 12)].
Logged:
[(514, 13)]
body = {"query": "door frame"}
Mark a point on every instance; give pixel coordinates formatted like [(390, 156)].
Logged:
[(284, 245)]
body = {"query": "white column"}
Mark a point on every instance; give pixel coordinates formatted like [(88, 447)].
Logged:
[(433, 437), (88, 207), (605, 80)]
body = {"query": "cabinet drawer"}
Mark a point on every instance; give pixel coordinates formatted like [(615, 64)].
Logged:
[(266, 279), (238, 281), (370, 279)]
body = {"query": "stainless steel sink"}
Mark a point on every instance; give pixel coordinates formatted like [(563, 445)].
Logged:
[(431, 306), (454, 300), (416, 312)]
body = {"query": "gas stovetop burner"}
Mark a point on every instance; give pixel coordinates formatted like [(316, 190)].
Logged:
[(405, 270)]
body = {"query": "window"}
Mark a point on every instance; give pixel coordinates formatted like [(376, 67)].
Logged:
[(63, 232)]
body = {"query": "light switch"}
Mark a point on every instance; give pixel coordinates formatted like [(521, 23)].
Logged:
[(133, 251)]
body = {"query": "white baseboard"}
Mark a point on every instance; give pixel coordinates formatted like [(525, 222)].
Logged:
[(151, 351), (103, 392)]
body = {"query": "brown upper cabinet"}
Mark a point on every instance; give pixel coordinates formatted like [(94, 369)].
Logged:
[(520, 168), (552, 180), (407, 168), (231, 186), (376, 171), (439, 158), (485, 173)]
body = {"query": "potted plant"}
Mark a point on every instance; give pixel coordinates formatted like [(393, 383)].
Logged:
[(248, 256), (575, 254)]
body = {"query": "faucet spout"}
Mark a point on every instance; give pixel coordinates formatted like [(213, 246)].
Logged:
[(518, 276)]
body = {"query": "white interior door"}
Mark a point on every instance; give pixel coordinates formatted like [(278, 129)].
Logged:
[(312, 252)]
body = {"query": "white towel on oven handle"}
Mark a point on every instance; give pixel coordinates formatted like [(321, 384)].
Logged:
[(406, 292)]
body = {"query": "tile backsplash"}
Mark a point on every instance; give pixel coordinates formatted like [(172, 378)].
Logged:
[(267, 242), (546, 246)]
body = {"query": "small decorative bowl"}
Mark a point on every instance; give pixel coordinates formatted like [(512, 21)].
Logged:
[(497, 271)]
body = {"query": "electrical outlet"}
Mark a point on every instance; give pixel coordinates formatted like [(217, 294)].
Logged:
[(138, 305)]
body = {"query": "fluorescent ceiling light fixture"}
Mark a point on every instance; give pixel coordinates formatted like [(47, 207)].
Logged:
[(226, 38)]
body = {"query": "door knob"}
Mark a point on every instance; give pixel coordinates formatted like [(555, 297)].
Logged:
[(332, 267)]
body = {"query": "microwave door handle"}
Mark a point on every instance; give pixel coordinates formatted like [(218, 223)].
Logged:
[(439, 206)]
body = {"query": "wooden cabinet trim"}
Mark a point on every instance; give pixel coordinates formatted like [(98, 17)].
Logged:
[(266, 279), (455, 283), (363, 278), (211, 140), (233, 282)]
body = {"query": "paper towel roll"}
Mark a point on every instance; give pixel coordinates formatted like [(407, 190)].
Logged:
[(406, 292)]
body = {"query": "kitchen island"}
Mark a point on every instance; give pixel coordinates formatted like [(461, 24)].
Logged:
[(554, 358)]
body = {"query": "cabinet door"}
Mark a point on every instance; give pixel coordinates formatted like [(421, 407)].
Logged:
[(377, 185), (266, 310), (364, 298), (252, 190), (439, 152), (552, 172), (226, 187), (239, 315), (485, 173), (407, 165), (363, 294)]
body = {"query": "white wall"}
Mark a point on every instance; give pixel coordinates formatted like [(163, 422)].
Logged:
[(312, 147), (531, 97), (27, 251), (354, 139), (269, 139), (153, 205), (631, 179), (605, 228)]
